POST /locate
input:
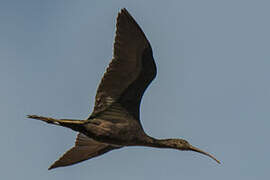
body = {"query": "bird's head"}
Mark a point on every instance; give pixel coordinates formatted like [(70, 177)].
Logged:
[(183, 145)]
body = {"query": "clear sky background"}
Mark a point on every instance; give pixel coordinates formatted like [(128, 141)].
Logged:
[(212, 87)]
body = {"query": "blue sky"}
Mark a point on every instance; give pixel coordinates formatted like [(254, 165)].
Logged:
[(212, 87)]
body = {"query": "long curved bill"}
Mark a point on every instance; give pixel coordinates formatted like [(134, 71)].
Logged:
[(192, 148)]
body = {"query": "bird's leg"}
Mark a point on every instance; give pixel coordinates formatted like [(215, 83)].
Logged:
[(76, 125)]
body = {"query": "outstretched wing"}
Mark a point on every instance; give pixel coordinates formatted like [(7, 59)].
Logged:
[(85, 148), (129, 73)]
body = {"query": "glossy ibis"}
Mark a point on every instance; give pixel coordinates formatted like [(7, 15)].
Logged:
[(115, 120)]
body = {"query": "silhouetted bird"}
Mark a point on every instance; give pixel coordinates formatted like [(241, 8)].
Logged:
[(115, 120)]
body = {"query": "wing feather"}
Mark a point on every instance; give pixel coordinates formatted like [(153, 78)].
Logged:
[(84, 149), (130, 71)]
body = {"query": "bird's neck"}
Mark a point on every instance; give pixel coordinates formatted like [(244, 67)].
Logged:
[(158, 143)]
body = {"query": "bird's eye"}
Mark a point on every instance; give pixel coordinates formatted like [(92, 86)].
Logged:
[(184, 141)]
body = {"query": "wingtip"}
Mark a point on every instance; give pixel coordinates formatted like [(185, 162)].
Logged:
[(51, 167), (123, 11)]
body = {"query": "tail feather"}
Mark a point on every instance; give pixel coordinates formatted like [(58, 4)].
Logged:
[(76, 125)]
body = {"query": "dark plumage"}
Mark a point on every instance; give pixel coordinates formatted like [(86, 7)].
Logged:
[(115, 120)]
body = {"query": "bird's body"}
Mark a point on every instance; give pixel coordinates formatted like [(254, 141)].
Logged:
[(115, 120)]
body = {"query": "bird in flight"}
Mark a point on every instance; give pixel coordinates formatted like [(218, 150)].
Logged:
[(115, 120)]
